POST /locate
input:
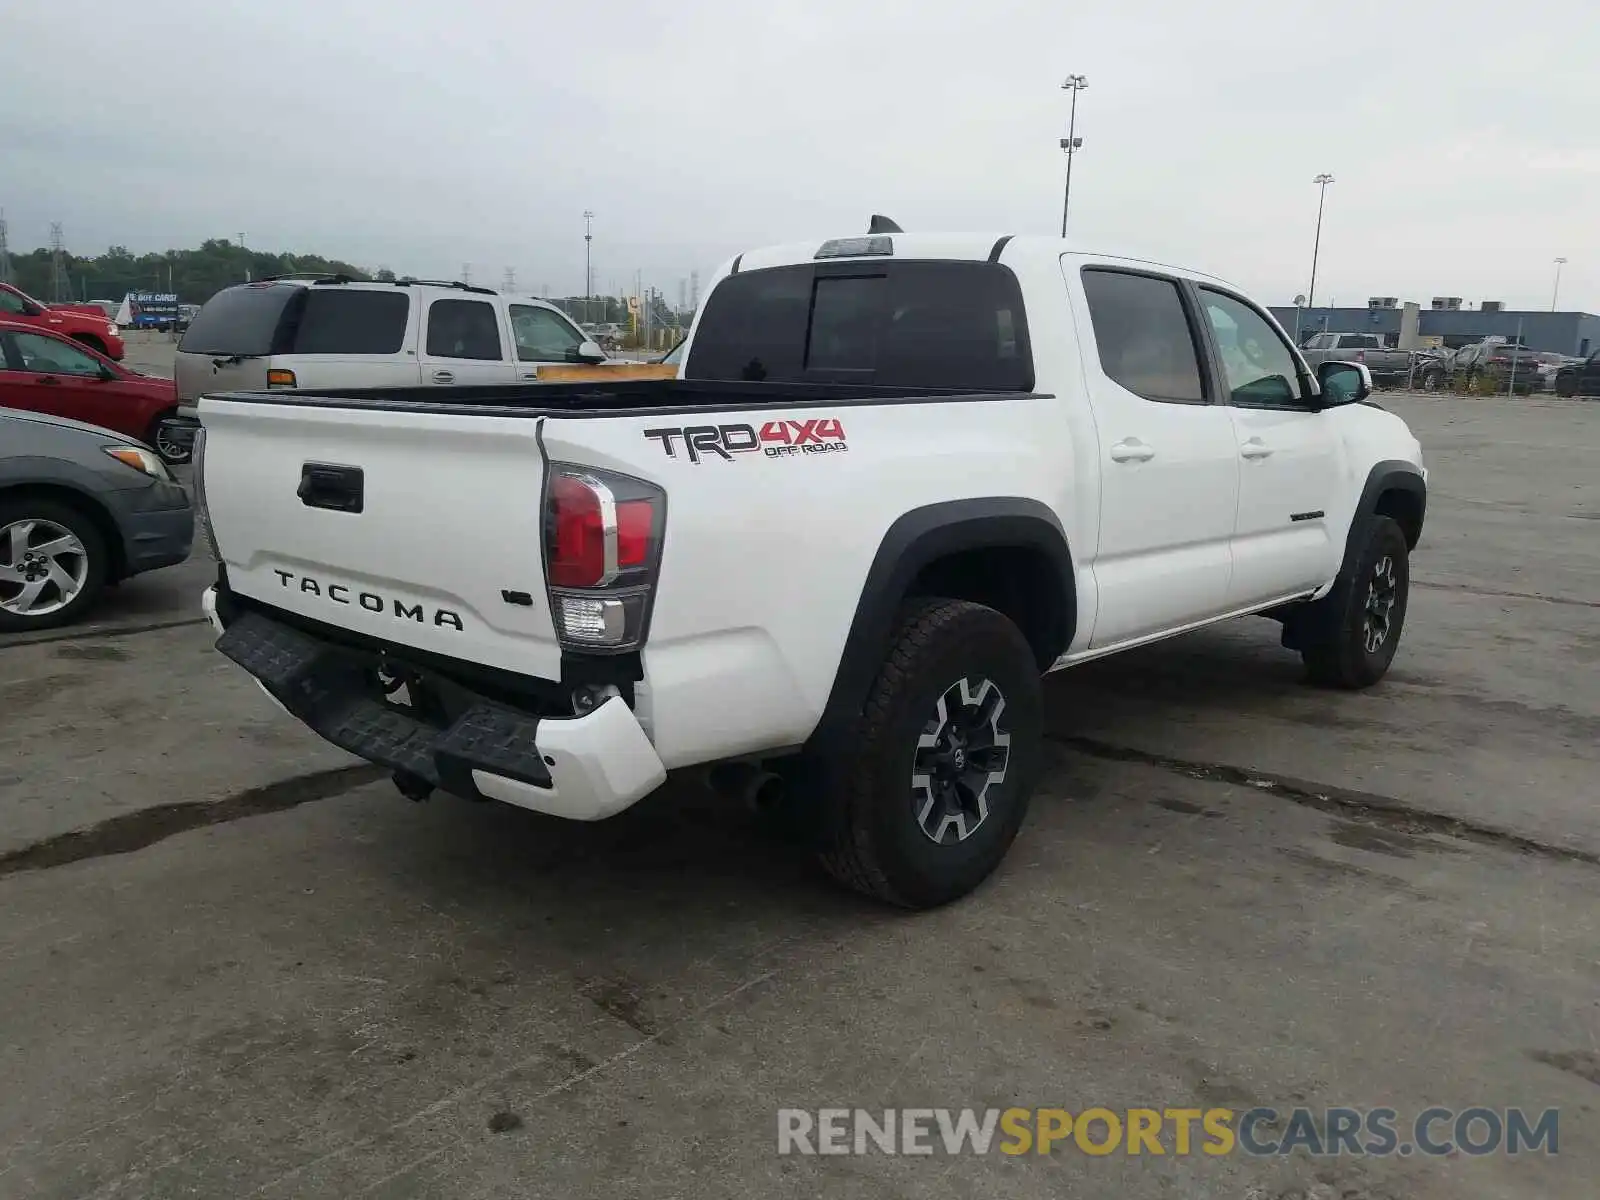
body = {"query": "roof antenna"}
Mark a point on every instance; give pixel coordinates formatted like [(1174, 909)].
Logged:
[(882, 224)]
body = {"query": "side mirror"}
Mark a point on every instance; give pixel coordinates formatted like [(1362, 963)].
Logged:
[(1343, 383), (107, 375), (590, 352)]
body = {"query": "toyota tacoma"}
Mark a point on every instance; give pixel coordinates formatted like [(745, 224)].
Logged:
[(897, 479)]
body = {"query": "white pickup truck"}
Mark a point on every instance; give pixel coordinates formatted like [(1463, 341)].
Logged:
[(898, 479)]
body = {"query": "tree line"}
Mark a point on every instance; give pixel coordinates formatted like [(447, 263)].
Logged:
[(195, 275)]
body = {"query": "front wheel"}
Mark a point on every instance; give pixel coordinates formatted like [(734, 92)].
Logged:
[(53, 564), (930, 794), (1353, 638)]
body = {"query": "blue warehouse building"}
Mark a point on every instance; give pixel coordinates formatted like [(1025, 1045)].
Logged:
[(1575, 333)]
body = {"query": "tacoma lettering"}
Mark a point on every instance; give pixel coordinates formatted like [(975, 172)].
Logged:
[(339, 593)]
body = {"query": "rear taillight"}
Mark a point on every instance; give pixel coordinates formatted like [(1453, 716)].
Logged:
[(602, 549), (278, 377), (198, 457)]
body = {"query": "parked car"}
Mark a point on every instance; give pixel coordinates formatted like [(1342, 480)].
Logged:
[(897, 480), (1387, 366), (80, 508), (1580, 377), (47, 373), (1495, 365), (322, 333), (81, 322)]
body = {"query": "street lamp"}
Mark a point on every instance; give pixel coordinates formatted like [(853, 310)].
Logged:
[(1556, 291), (1321, 181), (588, 276), (1071, 143)]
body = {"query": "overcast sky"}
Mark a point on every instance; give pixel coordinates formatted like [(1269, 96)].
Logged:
[(1464, 136)]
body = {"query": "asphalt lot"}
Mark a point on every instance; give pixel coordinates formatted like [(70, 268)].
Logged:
[(234, 964)]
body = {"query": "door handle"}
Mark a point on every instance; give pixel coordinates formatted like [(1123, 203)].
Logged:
[(340, 489), (1132, 450), (530, 374), (444, 377), (1255, 448), (48, 381)]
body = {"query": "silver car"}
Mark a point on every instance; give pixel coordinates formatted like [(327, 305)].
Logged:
[(80, 507)]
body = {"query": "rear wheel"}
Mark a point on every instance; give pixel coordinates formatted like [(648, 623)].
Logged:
[(1353, 637), (172, 452), (930, 794), (53, 563)]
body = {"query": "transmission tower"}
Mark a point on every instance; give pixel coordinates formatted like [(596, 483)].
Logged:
[(60, 285), (466, 272), (5, 251), (508, 281)]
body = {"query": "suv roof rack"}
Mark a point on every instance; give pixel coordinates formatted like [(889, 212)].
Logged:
[(407, 280), (313, 276)]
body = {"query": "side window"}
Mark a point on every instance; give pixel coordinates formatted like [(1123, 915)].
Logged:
[(48, 356), (542, 336), (1320, 341), (10, 302), (1257, 364), (463, 329), (1143, 335)]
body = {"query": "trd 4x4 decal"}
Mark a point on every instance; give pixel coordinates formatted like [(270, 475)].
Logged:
[(775, 439)]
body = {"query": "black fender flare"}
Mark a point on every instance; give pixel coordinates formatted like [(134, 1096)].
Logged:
[(918, 538), (1395, 474)]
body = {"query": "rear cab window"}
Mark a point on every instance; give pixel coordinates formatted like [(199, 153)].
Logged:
[(879, 322), (1144, 335)]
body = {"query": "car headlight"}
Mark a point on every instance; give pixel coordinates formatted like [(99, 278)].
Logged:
[(111, 328), (140, 459)]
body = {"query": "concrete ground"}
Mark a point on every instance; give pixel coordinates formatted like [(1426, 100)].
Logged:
[(236, 964)]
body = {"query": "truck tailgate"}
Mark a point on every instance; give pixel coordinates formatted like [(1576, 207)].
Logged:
[(418, 529)]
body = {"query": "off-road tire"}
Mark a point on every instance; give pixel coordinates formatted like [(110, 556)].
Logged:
[(871, 837), (1336, 640)]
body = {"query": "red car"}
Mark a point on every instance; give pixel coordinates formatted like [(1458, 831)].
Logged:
[(51, 373), (80, 322)]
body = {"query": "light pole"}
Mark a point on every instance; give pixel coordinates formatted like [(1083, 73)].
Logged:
[(1071, 143), (1321, 181), (588, 277), (1556, 291)]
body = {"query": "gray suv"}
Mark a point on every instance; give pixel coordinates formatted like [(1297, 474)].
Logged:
[(80, 507)]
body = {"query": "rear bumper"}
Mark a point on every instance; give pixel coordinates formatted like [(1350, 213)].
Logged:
[(582, 768)]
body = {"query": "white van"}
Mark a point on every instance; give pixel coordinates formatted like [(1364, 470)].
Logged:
[(330, 331)]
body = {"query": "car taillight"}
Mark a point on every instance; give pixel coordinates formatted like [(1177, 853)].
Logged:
[(602, 549), (1361, 356), (278, 377)]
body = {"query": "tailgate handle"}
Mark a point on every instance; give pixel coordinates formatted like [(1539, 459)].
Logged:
[(325, 486)]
